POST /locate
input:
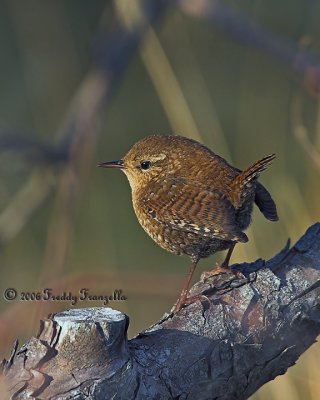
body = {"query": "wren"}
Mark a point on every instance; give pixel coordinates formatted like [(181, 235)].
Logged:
[(190, 200)]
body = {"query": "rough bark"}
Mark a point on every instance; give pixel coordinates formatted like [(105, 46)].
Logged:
[(239, 335)]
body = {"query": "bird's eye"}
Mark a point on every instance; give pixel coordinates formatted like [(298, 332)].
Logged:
[(145, 165)]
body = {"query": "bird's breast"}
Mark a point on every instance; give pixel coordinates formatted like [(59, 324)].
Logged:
[(177, 241)]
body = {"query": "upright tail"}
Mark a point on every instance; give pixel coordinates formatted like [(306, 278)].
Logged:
[(241, 186)]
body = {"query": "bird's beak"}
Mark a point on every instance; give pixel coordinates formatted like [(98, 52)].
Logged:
[(112, 164)]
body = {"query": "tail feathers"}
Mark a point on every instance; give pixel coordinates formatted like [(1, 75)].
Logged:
[(241, 184), (242, 237), (254, 171), (265, 203)]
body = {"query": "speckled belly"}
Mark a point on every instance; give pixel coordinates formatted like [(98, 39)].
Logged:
[(178, 241)]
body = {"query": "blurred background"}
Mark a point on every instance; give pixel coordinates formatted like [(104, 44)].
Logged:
[(82, 81)]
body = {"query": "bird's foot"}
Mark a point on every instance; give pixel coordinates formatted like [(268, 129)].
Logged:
[(220, 269), (179, 303), (182, 302), (197, 297)]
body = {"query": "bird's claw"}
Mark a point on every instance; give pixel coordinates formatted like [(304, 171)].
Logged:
[(183, 302)]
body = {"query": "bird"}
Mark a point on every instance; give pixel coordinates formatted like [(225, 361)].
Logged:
[(191, 201)]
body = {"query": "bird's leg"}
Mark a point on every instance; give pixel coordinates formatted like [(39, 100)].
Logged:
[(225, 264), (183, 295), (224, 267)]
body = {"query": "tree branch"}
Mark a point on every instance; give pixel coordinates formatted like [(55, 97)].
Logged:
[(304, 62), (241, 334), (76, 136)]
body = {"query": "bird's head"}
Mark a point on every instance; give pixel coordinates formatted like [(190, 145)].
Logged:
[(156, 157)]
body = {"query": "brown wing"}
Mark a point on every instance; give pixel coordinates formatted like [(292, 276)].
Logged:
[(193, 208)]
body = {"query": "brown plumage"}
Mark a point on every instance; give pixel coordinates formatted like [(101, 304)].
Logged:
[(190, 200)]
